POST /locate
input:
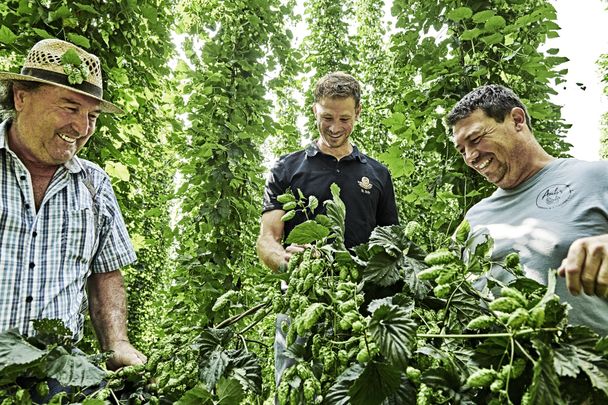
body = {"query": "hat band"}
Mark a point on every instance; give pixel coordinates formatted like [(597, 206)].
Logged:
[(62, 79)]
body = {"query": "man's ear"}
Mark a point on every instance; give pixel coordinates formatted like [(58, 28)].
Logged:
[(314, 109), (357, 112), (519, 117), (19, 96)]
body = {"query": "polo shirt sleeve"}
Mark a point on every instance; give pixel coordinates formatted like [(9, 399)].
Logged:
[(277, 183), (387, 207), (115, 249)]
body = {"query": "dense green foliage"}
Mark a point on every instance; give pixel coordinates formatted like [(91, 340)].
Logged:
[(441, 340), (213, 91)]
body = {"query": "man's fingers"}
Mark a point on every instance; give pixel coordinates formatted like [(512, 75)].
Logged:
[(562, 269), (294, 248), (141, 356), (586, 266), (572, 267), (594, 255), (601, 287)]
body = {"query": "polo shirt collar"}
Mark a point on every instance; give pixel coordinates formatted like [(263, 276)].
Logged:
[(73, 165), (313, 150)]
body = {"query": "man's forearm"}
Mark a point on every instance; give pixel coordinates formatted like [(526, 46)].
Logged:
[(271, 252), (108, 308)]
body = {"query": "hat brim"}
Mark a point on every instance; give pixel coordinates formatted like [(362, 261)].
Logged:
[(106, 106)]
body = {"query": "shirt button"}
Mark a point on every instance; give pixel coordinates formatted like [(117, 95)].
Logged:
[(32, 265), (29, 299), (337, 170), (27, 206), (34, 234), (22, 177)]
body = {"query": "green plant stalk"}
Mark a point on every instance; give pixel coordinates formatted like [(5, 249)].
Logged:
[(251, 325), (485, 335), (240, 316)]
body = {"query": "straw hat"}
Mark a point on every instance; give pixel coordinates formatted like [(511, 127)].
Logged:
[(60, 63)]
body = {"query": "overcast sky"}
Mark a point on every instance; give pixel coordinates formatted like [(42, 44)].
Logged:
[(583, 38)]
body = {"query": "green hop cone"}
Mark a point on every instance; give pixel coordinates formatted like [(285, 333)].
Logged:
[(537, 317), (363, 355), (512, 260), (518, 318), (440, 256), (431, 273), (515, 294), (462, 232), (287, 197), (481, 378), (509, 371), (413, 374), (497, 385), (288, 216), (442, 291), (481, 322), (446, 275), (504, 304), (289, 205)]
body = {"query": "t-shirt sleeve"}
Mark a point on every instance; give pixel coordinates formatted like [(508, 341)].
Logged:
[(276, 184), (114, 250), (387, 208)]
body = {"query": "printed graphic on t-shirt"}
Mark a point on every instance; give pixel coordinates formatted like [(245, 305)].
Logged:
[(554, 196), (365, 185)]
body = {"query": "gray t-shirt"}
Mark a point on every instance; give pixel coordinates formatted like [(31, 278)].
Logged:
[(565, 201)]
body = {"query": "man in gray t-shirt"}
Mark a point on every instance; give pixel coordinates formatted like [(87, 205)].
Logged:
[(553, 212)]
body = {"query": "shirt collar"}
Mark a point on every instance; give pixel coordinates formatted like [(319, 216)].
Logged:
[(4, 134), (313, 150), (73, 165)]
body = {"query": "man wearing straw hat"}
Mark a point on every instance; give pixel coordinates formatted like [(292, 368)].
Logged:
[(62, 236)]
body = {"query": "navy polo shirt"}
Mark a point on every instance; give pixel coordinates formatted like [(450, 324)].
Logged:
[(365, 187)]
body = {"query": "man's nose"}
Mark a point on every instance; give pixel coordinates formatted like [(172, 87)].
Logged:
[(335, 126), (471, 156), (81, 124)]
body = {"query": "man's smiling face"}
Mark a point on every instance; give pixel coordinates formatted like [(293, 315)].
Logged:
[(493, 149), (52, 123)]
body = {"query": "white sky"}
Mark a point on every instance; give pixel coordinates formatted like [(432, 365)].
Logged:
[(583, 38)]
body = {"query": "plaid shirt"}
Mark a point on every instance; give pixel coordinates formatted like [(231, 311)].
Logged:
[(46, 256)]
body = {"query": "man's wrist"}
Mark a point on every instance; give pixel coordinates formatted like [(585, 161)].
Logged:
[(109, 345)]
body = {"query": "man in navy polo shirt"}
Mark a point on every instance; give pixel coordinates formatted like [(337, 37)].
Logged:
[(365, 184)]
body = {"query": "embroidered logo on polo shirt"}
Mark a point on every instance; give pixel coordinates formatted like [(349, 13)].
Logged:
[(365, 185), (554, 196)]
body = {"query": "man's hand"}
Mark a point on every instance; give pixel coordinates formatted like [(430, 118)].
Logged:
[(124, 354), (586, 266), (269, 246), (288, 253), (293, 249)]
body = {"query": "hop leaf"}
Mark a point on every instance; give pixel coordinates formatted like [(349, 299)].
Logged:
[(70, 57)]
